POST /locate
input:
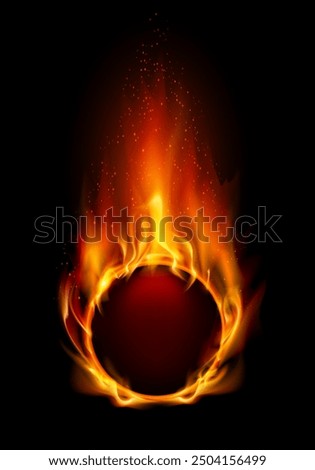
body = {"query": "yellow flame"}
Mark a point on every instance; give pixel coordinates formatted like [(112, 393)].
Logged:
[(159, 175)]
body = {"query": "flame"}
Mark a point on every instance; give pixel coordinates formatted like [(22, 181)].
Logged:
[(159, 166)]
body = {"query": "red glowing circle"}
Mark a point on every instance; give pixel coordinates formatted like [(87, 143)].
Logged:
[(153, 331)]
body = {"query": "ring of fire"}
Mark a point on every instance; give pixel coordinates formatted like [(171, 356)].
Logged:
[(214, 376)]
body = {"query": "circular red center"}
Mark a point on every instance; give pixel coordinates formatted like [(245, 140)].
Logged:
[(153, 331)]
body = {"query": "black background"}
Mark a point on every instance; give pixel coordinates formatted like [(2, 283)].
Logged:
[(257, 54)]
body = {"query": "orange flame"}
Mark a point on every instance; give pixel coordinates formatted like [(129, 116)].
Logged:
[(161, 167)]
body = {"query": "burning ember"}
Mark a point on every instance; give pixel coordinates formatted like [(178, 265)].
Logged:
[(158, 205)]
